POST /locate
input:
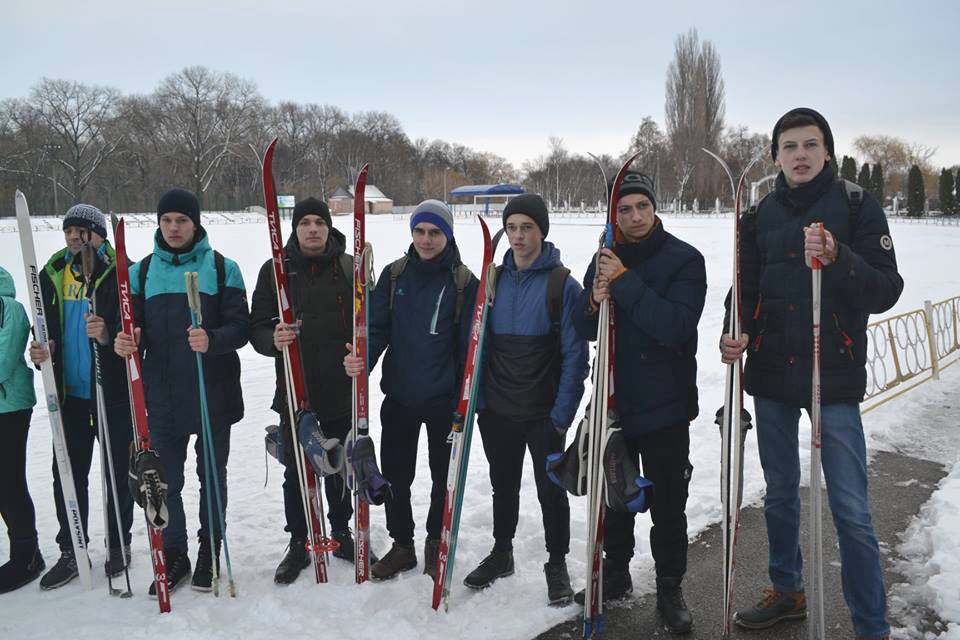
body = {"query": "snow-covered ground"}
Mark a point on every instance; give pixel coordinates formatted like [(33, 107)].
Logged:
[(513, 608)]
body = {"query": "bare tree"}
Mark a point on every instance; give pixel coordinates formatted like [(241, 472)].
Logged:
[(695, 107), (78, 117)]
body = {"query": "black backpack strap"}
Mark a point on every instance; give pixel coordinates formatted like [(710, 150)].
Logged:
[(558, 278), (396, 268), (221, 270), (854, 194), (346, 265), (144, 265)]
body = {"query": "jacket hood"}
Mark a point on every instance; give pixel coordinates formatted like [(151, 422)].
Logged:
[(7, 288), (548, 259)]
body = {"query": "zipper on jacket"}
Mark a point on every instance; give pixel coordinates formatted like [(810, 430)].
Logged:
[(436, 312)]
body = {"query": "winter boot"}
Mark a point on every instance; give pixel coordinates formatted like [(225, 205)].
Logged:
[(296, 560), (346, 549), (617, 583), (559, 591), (26, 564), (178, 570), (203, 571), (118, 561), (499, 564), (431, 548), (62, 572), (673, 609), (401, 557), (775, 607)]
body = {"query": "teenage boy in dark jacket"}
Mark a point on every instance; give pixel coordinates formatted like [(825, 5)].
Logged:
[(320, 284), (534, 368), (859, 277), (168, 346), (420, 323), (657, 284)]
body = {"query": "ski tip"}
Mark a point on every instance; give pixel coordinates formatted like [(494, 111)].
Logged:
[(268, 153)]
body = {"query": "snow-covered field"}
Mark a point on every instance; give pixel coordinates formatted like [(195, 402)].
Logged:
[(515, 607)]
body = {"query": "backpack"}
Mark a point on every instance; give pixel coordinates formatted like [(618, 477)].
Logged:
[(217, 260), (851, 190), (558, 277)]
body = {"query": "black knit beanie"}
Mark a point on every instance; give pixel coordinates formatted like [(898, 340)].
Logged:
[(803, 111), (311, 206), (636, 182), (179, 201), (532, 205)]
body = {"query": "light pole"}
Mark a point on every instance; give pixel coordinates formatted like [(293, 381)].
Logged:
[(50, 148)]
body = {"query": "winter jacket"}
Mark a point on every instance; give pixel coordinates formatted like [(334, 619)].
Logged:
[(321, 292), (777, 299), (425, 348), (16, 377), (657, 301), (530, 370), (108, 307), (163, 315)]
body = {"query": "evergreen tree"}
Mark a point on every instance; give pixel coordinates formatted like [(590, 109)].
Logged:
[(848, 169), (876, 182), (915, 192), (947, 201), (864, 178)]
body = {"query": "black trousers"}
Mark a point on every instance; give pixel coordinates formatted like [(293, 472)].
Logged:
[(399, 442), (666, 462), (16, 507), (80, 429), (505, 442), (339, 500)]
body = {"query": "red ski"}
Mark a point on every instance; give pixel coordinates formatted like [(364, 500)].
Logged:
[(297, 399), (138, 404), (362, 283)]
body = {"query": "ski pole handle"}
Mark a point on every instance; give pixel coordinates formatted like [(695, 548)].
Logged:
[(812, 261)]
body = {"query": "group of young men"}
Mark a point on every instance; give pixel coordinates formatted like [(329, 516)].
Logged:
[(533, 371)]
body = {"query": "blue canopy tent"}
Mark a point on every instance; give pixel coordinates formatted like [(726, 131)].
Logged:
[(485, 192)]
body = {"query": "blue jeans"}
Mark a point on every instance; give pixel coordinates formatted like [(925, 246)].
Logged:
[(844, 457)]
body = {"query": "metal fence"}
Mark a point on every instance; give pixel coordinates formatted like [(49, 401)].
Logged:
[(906, 350)]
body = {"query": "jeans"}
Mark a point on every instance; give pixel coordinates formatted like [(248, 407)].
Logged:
[(844, 458)]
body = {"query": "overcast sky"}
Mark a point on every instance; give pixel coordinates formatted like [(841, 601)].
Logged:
[(505, 76)]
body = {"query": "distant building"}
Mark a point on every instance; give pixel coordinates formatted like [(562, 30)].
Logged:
[(341, 202)]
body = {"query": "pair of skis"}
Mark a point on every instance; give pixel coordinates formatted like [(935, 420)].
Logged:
[(461, 431)]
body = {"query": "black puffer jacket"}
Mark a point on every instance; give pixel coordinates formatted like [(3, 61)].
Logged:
[(777, 291), (322, 298)]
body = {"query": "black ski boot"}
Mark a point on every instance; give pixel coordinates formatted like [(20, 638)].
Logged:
[(673, 609), (118, 561), (346, 550), (431, 548), (25, 565), (559, 591), (401, 557), (61, 573), (499, 564), (203, 571), (296, 560), (178, 570), (617, 584)]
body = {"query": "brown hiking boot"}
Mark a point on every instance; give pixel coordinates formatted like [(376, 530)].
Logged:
[(401, 557), (775, 607), (431, 549)]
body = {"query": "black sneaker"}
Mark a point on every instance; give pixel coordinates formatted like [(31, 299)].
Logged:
[(617, 583), (118, 561), (776, 606), (499, 564), (17, 572), (559, 591), (62, 572), (431, 548), (672, 607), (401, 557), (203, 571), (178, 570), (296, 560)]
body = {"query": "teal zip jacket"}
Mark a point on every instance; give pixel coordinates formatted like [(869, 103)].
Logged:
[(16, 378)]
